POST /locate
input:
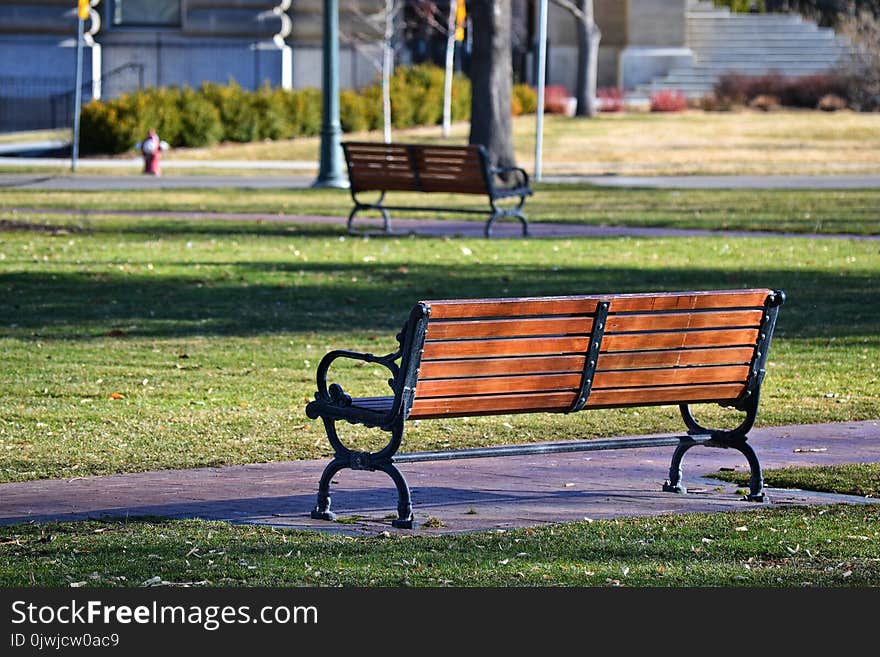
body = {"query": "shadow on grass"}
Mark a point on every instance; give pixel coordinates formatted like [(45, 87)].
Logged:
[(244, 298)]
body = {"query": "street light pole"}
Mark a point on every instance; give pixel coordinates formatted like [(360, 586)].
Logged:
[(77, 93), (330, 170), (542, 75)]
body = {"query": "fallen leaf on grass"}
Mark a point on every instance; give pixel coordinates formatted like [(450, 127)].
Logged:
[(115, 395)]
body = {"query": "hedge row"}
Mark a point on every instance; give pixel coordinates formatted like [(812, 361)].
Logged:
[(215, 112)]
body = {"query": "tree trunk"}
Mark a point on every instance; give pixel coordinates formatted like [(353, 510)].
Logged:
[(588, 56), (491, 79)]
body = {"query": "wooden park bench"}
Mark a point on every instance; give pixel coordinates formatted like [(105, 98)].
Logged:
[(378, 167), (474, 357)]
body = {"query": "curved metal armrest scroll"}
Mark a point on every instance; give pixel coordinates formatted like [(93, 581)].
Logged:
[(523, 176), (334, 392)]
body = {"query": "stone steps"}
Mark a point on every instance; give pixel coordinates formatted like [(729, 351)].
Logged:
[(750, 44)]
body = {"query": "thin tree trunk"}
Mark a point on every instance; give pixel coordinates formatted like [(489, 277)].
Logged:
[(387, 68), (491, 79), (589, 36), (450, 60)]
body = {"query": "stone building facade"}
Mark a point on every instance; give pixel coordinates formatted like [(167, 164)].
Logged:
[(132, 43)]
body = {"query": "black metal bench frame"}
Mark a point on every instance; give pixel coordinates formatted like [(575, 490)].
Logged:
[(493, 192), (332, 404)]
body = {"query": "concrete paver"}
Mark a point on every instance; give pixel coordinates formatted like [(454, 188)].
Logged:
[(466, 495)]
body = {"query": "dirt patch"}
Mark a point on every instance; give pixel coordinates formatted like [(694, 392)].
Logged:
[(8, 226)]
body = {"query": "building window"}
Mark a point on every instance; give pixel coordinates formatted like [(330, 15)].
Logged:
[(146, 12)]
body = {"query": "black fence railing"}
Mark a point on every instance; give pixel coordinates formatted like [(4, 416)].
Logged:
[(48, 103)]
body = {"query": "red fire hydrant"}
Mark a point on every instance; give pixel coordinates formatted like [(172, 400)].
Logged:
[(152, 149)]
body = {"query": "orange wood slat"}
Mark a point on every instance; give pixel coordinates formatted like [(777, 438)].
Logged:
[(672, 321), (490, 404), (678, 340), (447, 330), (499, 366), (666, 301), (664, 395), (673, 358), (672, 376), (504, 347), (497, 385)]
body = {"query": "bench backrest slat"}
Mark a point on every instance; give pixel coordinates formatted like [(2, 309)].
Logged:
[(504, 355)]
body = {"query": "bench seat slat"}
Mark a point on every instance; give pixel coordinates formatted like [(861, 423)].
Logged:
[(572, 305)]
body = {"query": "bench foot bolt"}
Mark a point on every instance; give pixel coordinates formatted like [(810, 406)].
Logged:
[(674, 488)]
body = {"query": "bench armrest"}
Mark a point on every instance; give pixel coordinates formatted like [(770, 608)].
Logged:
[(334, 392), (523, 176)]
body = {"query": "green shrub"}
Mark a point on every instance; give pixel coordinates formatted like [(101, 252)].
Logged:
[(200, 123), (352, 114), (525, 98), (107, 127), (215, 112), (240, 123), (461, 98), (372, 106)]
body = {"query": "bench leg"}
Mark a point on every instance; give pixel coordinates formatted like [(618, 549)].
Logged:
[(322, 508), (497, 214), (404, 518), (673, 484), (756, 479), (370, 461)]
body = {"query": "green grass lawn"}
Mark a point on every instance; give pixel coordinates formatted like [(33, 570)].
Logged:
[(830, 546), (847, 478), (801, 211), (137, 343)]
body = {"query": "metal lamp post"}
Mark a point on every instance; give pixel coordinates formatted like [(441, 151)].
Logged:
[(330, 170)]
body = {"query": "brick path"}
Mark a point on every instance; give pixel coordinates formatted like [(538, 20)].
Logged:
[(467, 495)]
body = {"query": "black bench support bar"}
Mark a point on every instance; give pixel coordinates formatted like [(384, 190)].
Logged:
[(591, 357), (552, 448)]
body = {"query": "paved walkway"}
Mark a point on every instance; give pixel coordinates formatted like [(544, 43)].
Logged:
[(298, 180), (466, 495), (445, 227)]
